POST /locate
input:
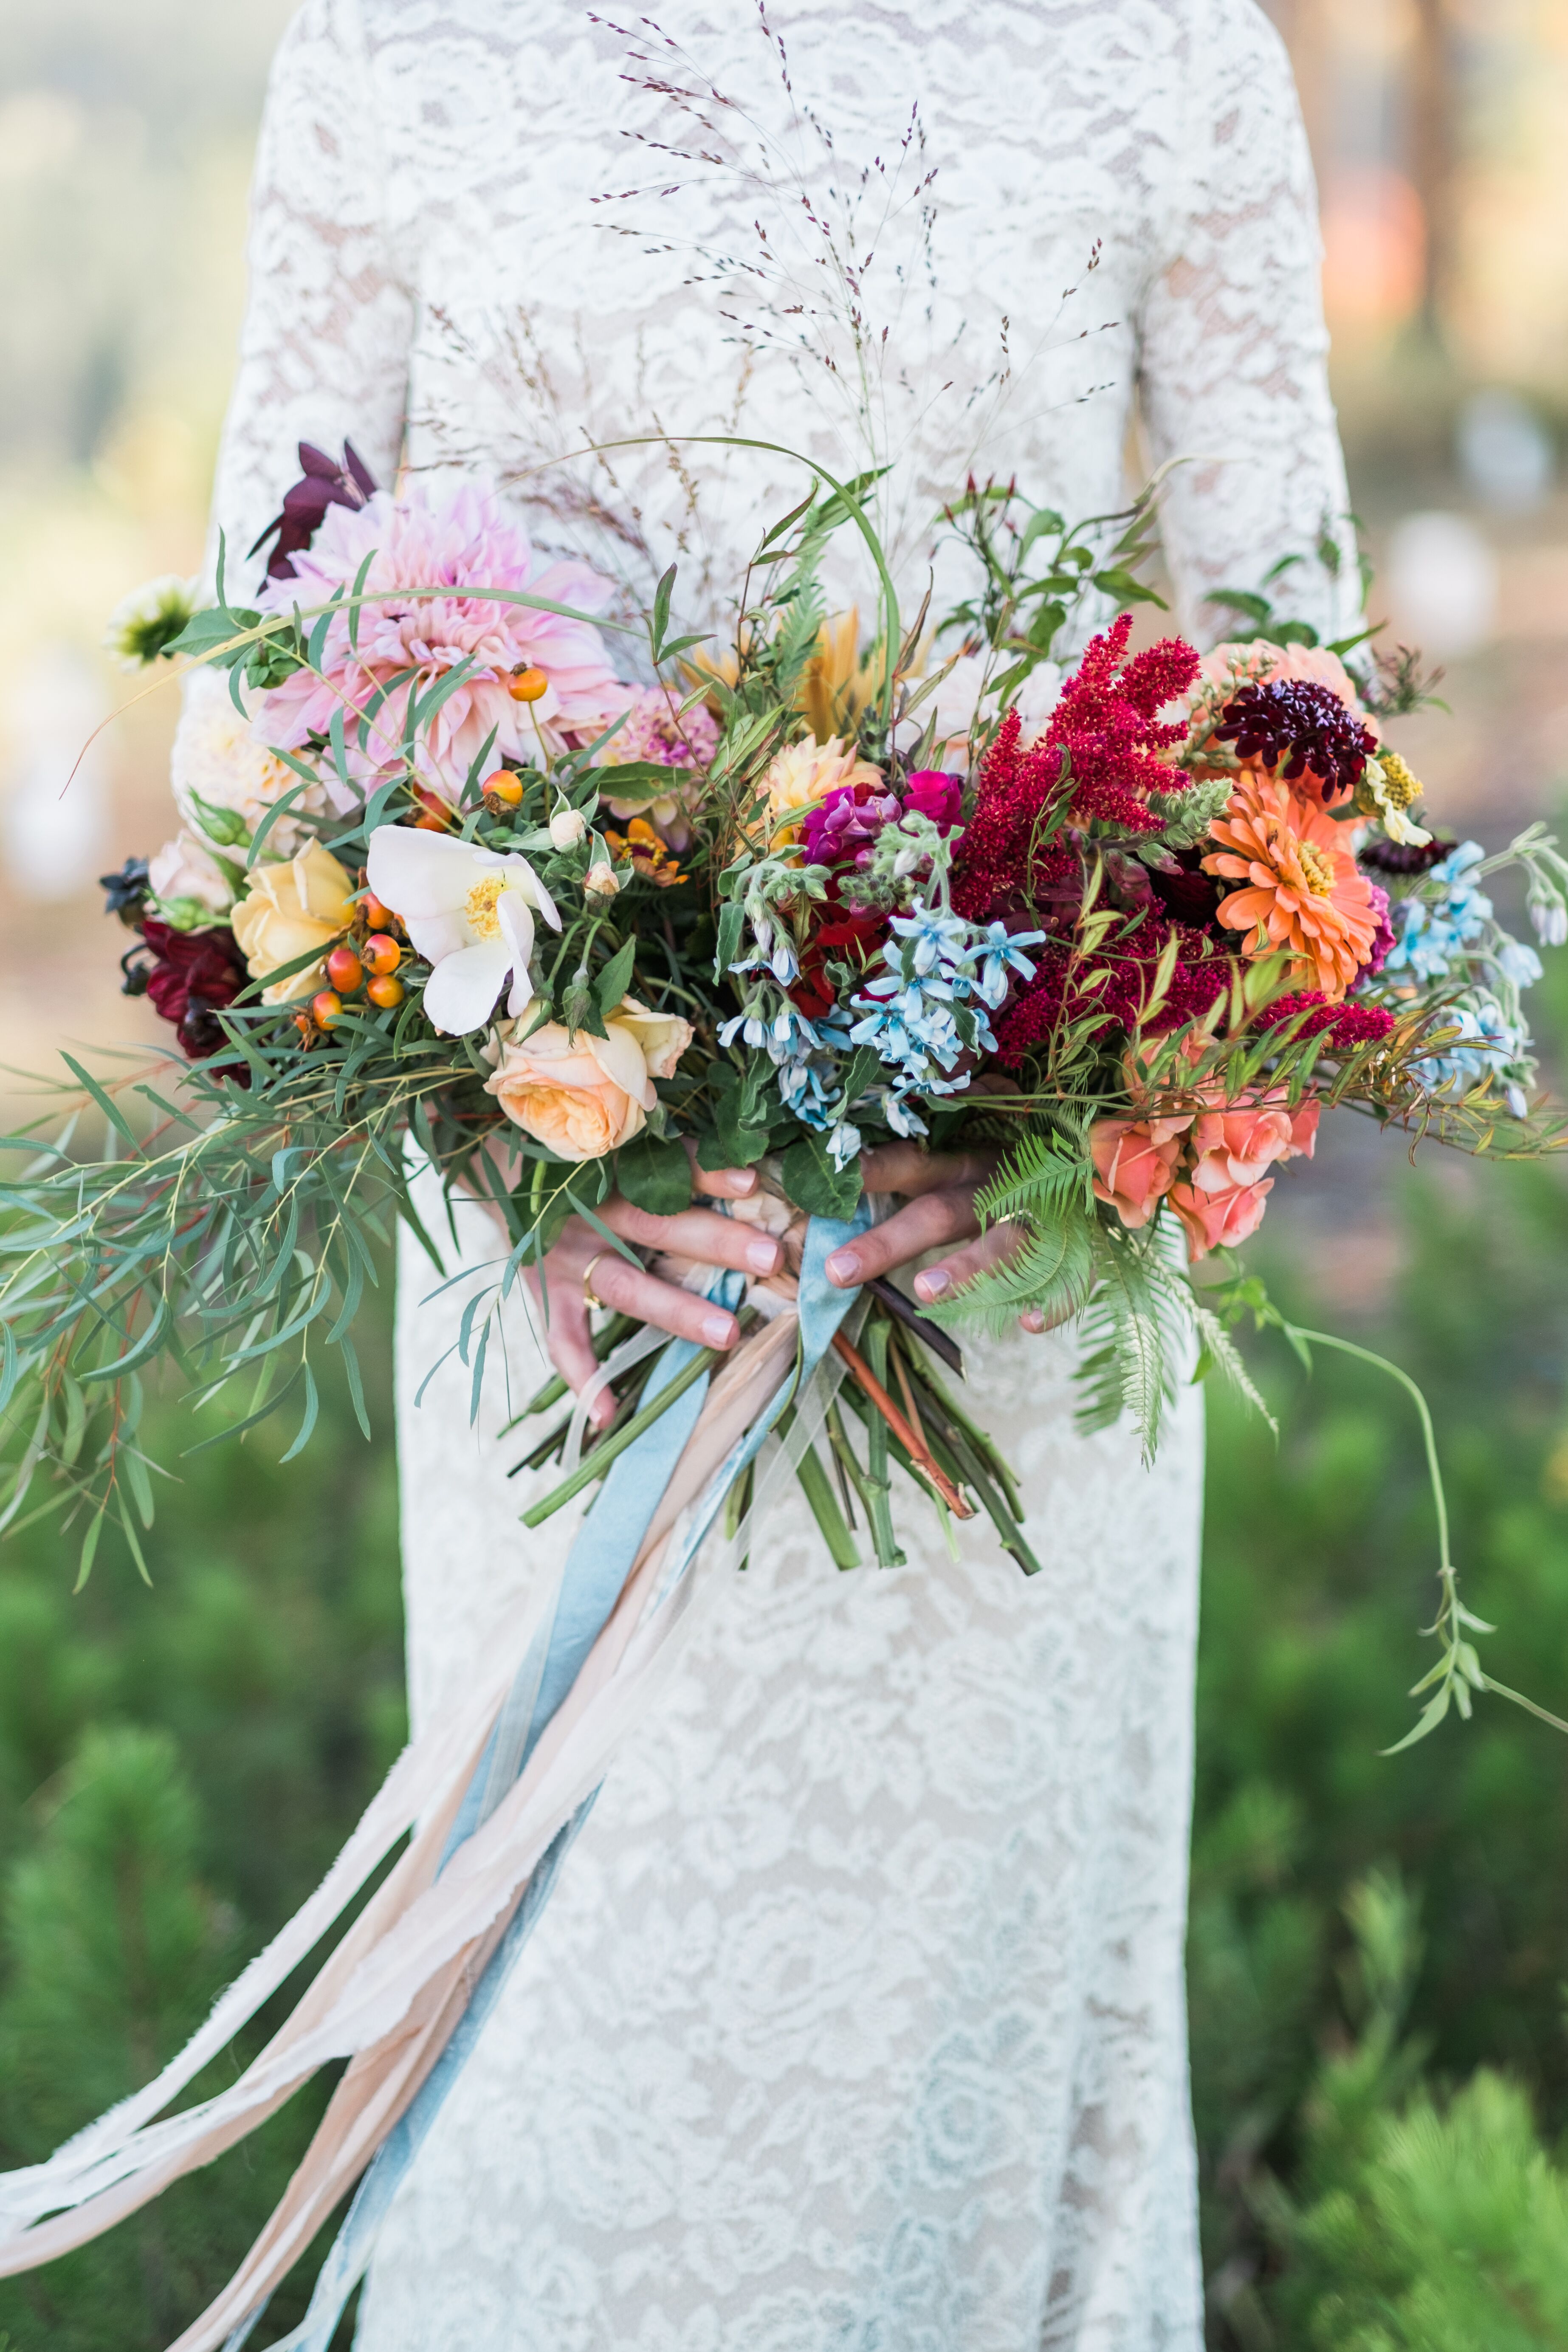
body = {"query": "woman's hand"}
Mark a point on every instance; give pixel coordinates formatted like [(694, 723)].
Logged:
[(939, 1189), (698, 1234)]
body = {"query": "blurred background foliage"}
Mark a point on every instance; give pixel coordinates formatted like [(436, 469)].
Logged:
[(1379, 1949)]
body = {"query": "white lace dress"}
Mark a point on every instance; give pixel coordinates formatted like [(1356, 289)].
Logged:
[(857, 2019)]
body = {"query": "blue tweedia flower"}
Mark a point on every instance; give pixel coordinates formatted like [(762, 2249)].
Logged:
[(1432, 930), (931, 1005), (1487, 1046), (1518, 964)]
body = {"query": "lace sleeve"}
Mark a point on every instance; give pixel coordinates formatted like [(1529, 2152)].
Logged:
[(324, 347), (1233, 372)]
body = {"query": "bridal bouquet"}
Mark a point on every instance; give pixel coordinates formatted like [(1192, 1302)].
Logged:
[(445, 878), (457, 888)]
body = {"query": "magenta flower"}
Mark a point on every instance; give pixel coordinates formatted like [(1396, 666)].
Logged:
[(406, 645)]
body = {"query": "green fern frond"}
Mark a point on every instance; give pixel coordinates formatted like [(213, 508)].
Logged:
[(1132, 1327), (1038, 1182), (1220, 1354), (1052, 1272)]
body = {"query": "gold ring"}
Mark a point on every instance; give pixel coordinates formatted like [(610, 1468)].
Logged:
[(590, 1296)]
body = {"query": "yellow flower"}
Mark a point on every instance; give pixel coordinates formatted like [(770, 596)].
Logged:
[(1389, 790), (838, 681), (288, 909), (802, 774)]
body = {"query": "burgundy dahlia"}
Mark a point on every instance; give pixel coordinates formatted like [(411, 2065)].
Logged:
[(1303, 725), (1404, 857), (192, 975)]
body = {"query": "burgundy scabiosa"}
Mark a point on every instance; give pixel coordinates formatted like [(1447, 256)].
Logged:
[(1300, 728)]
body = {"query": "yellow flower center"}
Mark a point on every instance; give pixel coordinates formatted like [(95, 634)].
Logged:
[(483, 920), (1316, 868), (1401, 790)]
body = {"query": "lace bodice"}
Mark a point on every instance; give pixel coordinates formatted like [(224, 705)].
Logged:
[(490, 233), (857, 2022)]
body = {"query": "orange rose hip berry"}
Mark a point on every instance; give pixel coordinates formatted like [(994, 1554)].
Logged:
[(344, 970), (381, 954)]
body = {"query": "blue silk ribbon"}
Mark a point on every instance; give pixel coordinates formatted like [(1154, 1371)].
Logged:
[(596, 1569)]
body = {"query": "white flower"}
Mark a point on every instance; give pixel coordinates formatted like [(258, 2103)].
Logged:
[(149, 620), (601, 880), (188, 883), (468, 911), (567, 827), (217, 761)]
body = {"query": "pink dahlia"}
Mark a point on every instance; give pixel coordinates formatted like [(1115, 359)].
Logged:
[(407, 644), (657, 730)]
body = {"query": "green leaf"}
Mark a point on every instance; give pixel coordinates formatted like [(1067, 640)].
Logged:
[(731, 920), (213, 627), (741, 1132), (613, 982), (642, 779), (655, 1176), (661, 600), (813, 1183)]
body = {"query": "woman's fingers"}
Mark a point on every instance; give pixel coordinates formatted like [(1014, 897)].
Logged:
[(926, 1224), (997, 1247), (630, 1291), (567, 1336), (720, 1183), (908, 1168), (701, 1234)]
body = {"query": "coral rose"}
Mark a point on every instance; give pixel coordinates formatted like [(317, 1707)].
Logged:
[(1221, 1195), (1302, 889), (581, 1095), (1135, 1163), (288, 911)]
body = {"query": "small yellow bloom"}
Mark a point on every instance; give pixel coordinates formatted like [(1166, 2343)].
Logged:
[(1389, 790), (288, 909), (804, 773)]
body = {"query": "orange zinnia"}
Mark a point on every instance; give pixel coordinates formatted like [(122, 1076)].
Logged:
[(1302, 889)]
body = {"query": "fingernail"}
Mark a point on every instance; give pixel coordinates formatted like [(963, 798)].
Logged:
[(718, 1330), (743, 1180), (843, 1266), (762, 1256), (932, 1284)]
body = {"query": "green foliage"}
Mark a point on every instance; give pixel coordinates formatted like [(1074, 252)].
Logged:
[(178, 1768), (1357, 2069)]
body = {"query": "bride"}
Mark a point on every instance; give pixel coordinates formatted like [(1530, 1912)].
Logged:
[(857, 2019)]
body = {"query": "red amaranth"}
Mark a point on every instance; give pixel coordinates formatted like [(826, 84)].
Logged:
[(1198, 977), (1104, 737), (1351, 1025)]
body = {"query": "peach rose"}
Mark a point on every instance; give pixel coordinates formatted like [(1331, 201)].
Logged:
[(581, 1096), (1135, 1163)]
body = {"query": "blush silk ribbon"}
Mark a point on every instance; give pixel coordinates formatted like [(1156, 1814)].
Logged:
[(496, 1791)]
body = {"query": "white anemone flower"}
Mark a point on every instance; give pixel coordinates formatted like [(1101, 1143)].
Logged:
[(468, 911)]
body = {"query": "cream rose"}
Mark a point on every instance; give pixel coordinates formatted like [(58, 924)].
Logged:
[(288, 909), (583, 1096)]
